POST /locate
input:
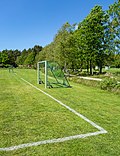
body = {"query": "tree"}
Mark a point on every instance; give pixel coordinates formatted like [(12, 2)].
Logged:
[(37, 49), (114, 27), (20, 60), (90, 36), (30, 59), (80, 46), (116, 62), (4, 58), (61, 45)]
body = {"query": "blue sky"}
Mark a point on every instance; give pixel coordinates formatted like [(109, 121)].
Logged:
[(25, 23)]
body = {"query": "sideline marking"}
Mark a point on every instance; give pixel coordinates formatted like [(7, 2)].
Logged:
[(101, 130), (51, 141), (70, 109)]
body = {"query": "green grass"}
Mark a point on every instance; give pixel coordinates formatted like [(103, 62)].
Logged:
[(27, 115)]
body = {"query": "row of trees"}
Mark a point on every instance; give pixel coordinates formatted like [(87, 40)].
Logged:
[(95, 41), (16, 57), (29, 57), (9, 57)]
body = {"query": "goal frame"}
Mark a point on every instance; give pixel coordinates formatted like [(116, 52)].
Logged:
[(47, 69), (38, 72)]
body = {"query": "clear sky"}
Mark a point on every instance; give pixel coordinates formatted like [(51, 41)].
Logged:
[(25, 23)]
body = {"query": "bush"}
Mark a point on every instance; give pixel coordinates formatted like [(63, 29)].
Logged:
[(110, 84)]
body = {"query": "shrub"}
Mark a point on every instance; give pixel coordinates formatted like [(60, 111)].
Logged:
[(110, 84)]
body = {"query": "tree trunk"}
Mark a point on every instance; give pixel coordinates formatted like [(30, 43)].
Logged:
[(100, 68), (91, 71), (87, 66), (65, 67)]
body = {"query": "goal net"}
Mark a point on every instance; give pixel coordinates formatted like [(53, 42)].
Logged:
[(50, 74)]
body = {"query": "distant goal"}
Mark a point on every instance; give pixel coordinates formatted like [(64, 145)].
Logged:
[(51, 75)]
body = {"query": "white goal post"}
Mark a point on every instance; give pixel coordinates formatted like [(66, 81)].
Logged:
[(39, 81), (50, 74)]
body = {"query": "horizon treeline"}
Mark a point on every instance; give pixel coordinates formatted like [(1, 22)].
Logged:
[(95, 41)]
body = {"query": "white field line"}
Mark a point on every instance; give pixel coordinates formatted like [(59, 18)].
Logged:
[(72, 110), (101, 130), (50, 141)]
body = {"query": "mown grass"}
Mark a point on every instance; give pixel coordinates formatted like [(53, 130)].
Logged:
[(26, 115)]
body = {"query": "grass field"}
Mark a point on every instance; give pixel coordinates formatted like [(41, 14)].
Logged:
[(27, 115)]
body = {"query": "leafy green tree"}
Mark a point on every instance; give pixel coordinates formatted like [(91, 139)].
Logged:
[(11, 57), (30, 59), (4, 58), (80, 46), (114, 27), (20, 60), (117, 60), (8, 57), (61, 45), (37, 49), (90, 37)]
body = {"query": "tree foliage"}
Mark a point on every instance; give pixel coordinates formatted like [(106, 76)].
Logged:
[(95, 42), (114, 26), (8, 57), (28, 57)]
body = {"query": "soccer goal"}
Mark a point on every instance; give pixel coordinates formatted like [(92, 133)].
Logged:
[(50, 74)]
